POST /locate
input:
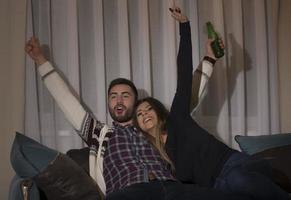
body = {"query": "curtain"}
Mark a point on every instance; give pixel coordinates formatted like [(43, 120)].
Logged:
[(95, 41)]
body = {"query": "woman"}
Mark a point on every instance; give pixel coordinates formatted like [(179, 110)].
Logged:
[(196, 155)]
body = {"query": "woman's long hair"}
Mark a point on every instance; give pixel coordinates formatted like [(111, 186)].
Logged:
[(162, 114)]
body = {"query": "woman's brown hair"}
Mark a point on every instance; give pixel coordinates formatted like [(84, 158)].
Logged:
[(162, 114)]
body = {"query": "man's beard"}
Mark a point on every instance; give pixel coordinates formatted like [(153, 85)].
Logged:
[(121, 118)]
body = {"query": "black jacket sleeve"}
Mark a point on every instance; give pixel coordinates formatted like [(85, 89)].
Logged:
[(181, 103)]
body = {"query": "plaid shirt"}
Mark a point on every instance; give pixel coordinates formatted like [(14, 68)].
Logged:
[(128, 156)]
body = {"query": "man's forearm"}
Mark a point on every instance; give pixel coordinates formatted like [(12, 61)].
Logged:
[(199, 81), (69, 104)]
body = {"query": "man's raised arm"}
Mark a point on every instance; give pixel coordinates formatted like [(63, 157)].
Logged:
[(62, 94)]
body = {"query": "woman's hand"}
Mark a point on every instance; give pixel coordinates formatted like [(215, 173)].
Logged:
[(33, 49), (177, 15)]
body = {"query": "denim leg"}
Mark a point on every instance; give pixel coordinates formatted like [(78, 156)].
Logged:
[(244, 175)]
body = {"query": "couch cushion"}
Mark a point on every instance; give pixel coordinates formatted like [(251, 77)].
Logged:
[(81, 157), (280, 160), (64, 179), (254, 144), (29, 157), (58, 176)]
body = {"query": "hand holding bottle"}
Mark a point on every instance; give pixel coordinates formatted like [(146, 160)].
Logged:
[(209, 49), (217, 45)]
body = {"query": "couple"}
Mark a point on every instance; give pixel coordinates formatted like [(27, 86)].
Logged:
[(151, 159)]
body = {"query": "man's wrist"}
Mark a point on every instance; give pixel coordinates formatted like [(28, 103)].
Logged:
[(40, 60), (209, 59)]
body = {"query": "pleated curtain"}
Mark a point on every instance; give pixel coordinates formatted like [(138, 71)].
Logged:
[(95, 41)]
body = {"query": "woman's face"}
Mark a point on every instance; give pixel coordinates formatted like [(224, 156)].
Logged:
[(147, 118)]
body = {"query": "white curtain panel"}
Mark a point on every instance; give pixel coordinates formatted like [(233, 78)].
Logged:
[(95, 41)]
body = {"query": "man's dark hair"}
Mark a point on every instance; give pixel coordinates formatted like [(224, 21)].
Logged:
[(119, 81)]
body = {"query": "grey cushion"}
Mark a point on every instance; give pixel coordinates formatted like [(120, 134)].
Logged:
[(255, 144), (29, 157), (64, 179), (58, 176), (280, 160)]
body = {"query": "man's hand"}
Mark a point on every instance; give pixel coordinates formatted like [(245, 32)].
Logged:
[(177, 15), (209, 51), (33, 49)]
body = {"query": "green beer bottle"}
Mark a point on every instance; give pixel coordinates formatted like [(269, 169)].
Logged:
[(217, 50)]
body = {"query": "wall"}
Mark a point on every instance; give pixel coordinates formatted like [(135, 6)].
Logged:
[(12, 39), (285, 64)]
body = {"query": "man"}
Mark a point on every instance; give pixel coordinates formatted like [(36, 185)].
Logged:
[(122, 167)]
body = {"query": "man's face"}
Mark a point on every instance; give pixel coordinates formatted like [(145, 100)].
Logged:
[(121, 101)]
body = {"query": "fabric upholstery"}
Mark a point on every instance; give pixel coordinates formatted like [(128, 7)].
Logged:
[(54, 173), (255, 144), (28, 157), (280, 160), (81, 157), (276, 149), (64, 179)]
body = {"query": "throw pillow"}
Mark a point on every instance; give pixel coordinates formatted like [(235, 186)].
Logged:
[(28, 157), (64, 179), (255, 144), (81, 157), (58, 176)]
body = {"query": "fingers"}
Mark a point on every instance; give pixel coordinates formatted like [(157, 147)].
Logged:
[(32, 43), (28, 46), (175, 9), (176, 14), (221, 43)]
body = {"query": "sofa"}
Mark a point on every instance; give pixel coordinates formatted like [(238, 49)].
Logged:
[(43, 173)]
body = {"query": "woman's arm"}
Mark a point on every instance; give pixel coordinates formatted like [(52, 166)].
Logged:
[(181, 103)]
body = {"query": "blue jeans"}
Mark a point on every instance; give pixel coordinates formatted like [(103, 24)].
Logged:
[(242, 174), (169, 190)]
